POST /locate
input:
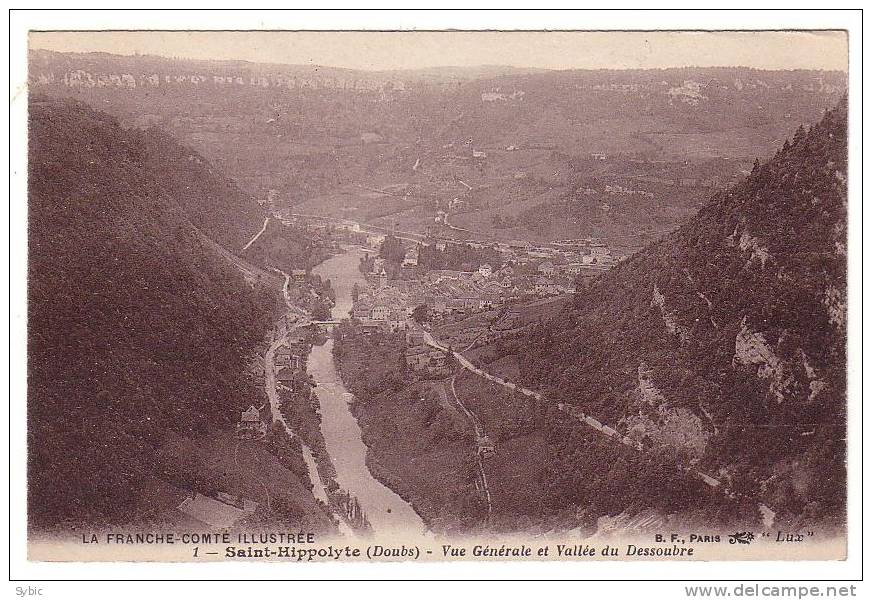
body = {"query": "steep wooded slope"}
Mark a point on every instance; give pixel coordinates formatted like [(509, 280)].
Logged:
[(136, 326), (723, 345)]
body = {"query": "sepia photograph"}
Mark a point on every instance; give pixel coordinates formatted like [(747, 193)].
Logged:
[(429, 296)]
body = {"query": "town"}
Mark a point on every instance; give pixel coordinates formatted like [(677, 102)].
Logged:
[(437, 280)]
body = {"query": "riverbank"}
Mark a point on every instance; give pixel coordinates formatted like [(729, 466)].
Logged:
[(418, 444), (300, 410), (385, 509), (294, 407)]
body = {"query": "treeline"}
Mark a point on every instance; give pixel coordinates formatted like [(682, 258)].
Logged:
[(458, 257)]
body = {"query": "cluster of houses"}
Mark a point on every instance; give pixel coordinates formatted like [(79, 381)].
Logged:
[(250, 425), (411, 257), (584, 251), (489, 287), (578, 254), (388, 303), (616, 189), (424, 359), (290, 361), (384, 307), (523, 270)]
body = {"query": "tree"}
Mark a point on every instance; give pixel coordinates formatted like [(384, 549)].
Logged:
[(392, 250), (421, 314)]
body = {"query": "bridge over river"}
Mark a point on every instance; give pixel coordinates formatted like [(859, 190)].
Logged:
[(385, 510)]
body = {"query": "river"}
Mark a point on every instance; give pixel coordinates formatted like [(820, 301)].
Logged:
[(385, 510)]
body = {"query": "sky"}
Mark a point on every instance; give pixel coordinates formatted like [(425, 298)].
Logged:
[(409, 50)]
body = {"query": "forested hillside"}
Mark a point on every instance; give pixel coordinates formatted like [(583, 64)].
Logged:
[(723, 345), (137, 329), (211, 201)]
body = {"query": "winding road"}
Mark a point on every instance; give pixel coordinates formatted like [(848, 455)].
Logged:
[(579, 416), (319, 490)]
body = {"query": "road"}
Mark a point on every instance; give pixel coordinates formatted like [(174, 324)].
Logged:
[(479, 430), (479, 433), (252, 273), (292, 308), (455, 227), (319, 490), (573, 412), (270, 384), (257, 235)]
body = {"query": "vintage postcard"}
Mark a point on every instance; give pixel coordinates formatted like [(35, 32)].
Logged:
[(349, 296)]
